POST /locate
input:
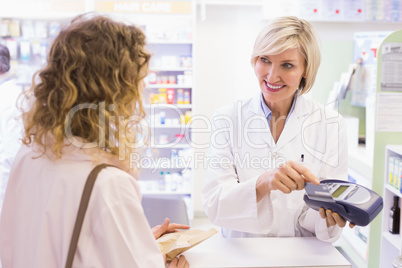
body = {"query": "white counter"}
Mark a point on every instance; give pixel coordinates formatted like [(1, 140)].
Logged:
[(264, 252)]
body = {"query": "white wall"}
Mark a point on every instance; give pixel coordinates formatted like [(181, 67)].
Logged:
[(223, 73)]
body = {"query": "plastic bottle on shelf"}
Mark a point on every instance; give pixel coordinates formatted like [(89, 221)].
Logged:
[(172, 79), (174, 159), (180, 96), (161, 183), (187, 116), (162, 117), (188, 77), (170, 95), (182, 119), (156, 119), (162, 95), (163, 139), (179, 180), (173, 185), (186, 97), (151, 77), (151, 98), (394, 215), (168, 181), (186, 175), (149, 186), (180, 79)]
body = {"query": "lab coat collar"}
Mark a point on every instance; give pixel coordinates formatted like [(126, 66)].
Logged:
[(292, 127)]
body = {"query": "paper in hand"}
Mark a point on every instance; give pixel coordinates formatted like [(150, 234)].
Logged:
[(173, 244)]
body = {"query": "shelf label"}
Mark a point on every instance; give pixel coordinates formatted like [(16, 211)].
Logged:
[(145, 7)]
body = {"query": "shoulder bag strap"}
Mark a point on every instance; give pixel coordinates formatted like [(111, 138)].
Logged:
[(86, 194)]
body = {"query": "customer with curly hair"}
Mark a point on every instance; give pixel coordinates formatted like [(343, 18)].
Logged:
[(86, 110)]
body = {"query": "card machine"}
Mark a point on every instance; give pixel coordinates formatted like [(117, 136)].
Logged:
[(355, 203)]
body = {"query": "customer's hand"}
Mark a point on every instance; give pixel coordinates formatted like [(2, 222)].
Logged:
[(289, 177), (167, 227), (179, 262), (333, 218)]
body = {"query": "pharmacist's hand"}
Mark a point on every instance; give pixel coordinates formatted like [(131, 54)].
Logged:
[(167, 227), (289, 177), (333, 218), (179, 262)]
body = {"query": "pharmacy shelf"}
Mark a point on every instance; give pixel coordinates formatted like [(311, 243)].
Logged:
[(171, 146), (165, 105), (168, 86), (167, 168), (171, 127), (394, 239), (390, 243), (169, 42), (170, 69), (393, 190)]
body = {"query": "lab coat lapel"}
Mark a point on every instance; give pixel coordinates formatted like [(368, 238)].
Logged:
[(294, 124), (259, 122)]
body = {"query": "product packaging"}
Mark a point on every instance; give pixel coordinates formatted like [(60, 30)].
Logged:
[(173, 244), (163, 139), (180, 96), (170, 95), (162, 95), (187, 97)]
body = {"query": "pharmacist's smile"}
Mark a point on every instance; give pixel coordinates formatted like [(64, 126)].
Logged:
[(279, 75), (273, 87)]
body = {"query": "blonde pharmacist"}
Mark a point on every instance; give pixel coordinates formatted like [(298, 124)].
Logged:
[(260, 193)]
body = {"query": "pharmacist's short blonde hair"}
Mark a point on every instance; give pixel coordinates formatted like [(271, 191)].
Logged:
[(286, 33)]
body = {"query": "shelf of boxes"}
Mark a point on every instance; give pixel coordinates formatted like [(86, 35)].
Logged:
[(169, 41), (391, 243), (28, 41), (168, 106), (169, 86)]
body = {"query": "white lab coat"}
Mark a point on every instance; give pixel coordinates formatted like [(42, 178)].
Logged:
[(11, 128), (241, 142), (41, 205)]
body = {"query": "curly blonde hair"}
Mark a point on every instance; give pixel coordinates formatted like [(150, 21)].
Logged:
[(95, 68)]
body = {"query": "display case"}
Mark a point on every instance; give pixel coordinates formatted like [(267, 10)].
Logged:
[(165, 161), (28, 41), (166, 166), (390, 243)]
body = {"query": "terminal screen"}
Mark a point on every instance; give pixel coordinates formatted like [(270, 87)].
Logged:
[(339, 191)]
